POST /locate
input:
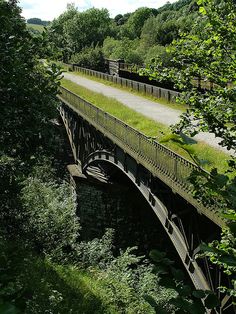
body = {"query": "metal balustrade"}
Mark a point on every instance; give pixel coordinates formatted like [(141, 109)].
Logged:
[(171, 168)]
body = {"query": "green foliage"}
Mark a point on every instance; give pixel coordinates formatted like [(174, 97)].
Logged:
[(167, 26), (37, 21), (223, 254), (28, 93), (209, 54), (174, 6), (25, 109), (35, 29), (31, 284), (127, 278), (91, 58), (97, 252), (49, 212), (157, 52), (72, 31), (185, 299), (58, 34), (133, 27), (125, 49), (132, 33)]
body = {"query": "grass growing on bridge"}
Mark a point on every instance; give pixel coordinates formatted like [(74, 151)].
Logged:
[(209, 156), (145, 125)]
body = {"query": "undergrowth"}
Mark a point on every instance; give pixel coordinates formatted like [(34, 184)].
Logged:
[(46, 268)]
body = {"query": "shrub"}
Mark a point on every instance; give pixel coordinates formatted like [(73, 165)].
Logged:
[(97, 252), (90, 57), (130, 278), (50, 216), (123, 49), (157, 52)]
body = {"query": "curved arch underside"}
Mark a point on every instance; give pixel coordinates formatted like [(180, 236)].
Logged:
[(161, 212)]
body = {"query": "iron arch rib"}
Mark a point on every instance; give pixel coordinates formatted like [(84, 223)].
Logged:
[(161, 212)]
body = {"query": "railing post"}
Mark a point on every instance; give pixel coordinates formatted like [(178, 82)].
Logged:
[(175, 167), (139, 142), (151, 93)]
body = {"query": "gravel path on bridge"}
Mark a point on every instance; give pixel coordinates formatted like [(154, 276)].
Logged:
[(148, 108)]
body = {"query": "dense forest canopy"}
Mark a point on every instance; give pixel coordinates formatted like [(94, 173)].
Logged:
[(136, 37)]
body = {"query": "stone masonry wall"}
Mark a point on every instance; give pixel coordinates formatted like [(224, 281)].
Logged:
[(123, 208)]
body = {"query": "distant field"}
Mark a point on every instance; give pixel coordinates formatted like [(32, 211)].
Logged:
[(39, 28)]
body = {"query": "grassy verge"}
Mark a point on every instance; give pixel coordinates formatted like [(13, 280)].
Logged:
[(145, 125), (209, 156)]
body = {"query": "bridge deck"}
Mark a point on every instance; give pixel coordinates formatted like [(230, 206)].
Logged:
[(163, 163)]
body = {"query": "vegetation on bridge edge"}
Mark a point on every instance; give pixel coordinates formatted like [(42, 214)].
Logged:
[(208, 156)]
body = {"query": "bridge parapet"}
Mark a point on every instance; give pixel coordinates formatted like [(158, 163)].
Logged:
[(168, 166)]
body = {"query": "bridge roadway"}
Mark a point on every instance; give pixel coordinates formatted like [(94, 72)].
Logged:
[(148, 108)]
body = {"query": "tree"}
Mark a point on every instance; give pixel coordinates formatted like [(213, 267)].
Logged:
[(118, 19), (72, 31), (133, 27), (149, 32), (27, 86), (210, 54), (90, 57), (122, 49), (58, 35), (28, 103), (159, 52), (37, 21)]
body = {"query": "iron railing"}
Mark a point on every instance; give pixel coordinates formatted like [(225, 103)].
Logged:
[(171, 168)]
